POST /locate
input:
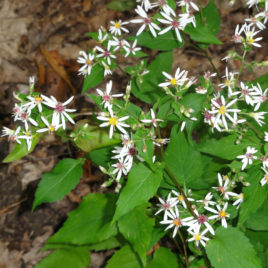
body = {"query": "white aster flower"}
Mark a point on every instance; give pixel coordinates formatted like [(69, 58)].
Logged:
[(258, 117), (181, 199), (255, 21), (153, 120), (239, 200), (264, 180), (248, 156), (132, 49), (187, 18), (208, 74), (198, 237), (121, 167), (49, 127), (25, 118), (229, 81), (207, 200), (238, 121), (102, 36), (147, 22), (250, 36), (173, 220), (107, 70), (27, 135), (162, 4), (251, 3), (60, 111), (264, 14), (117, 28), (13, 135), (107, 97), (259, 96), (114, 121), (165, 205), (173, 23), (117, 44), (107, 54), (246, 93), (237, 37), (188, 4), (201, 90), (264, 161), (145, 4), (34, 101), (219, 214), (178, 80), (87, 61), (266, 136), (223, 111)]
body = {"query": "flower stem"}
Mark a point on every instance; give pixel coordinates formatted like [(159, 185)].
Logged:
[(241, 67), (184, 248)]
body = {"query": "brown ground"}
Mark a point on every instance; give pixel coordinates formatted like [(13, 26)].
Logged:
[(32, 33)]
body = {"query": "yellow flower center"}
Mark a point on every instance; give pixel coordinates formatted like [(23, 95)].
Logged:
[(27, 133), (51, 129), (222, 110), (177, 222), (222, 214), (88, 62), (227, 83), (251, 41), (107, 67), (242, 194), (173, 82), (113, 121), (197, 237), (266, 177), (117, 25), (180, 197), (38, 99), (225, 177)]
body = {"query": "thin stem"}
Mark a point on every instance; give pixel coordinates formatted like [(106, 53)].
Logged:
[(178, 246), (206, 258), (184, 248), (241, 67)]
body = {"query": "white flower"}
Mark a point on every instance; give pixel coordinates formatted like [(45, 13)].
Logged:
[(117, 28), (201, 90), (208, 74), (173, 220), (247, 93), (223, 188), (250, 33), (264, 14), (101, 37), (259, 96), (163, 4), (25, 117), (165, 205), (178, 80), (147, 22), (264, 180), (207, 200), (49, 127), (181, 199), (107, 54), (187, 18), (107, 69), (188, 4), (239, 200), (153, 120), (29, 138), (258, 117), (197, 223), (248, 156), (121, 167), (145, 4), (106, 96), (114, 121), (220, 214), (251, 3), (87, 61), (173, 22), (60, 111), (117, 44), (132, 49), (198, 237), (237, 38), (229, 81), (266, 136), (264, 160), (13, 135), (34, 101), (223, 111), (238, 121), (255, 21)]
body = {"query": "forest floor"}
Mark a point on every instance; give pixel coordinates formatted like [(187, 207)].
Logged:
[(40, 38)]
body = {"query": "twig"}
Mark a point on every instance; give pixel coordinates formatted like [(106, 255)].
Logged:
[(184, 248), (11, 206)]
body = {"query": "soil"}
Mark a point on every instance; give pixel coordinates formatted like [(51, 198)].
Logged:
[(33, 34)]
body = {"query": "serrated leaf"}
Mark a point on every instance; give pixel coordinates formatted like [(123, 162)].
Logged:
[(184, 162), (231, 248), (89, 223), (147, 90), (255, 194), (124, 257), (167, 41), (163, 258), (68, 258), (96, 76), (56, 184), (102, 156), (141, 185), (137, 228), (21, 150)]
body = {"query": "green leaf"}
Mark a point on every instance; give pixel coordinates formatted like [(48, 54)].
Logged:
[(163, 258), (121, 5), (259, 220), (184, 162), (102, 156), (68, 258), (88, 137), (20, 150), (56, 184), (147, 90), (225, 147), (89, 223), (137, 228), (167, 41), (96, 76), (255, 194), (231, 248), (141, 185), (262, 80), (123, 257)]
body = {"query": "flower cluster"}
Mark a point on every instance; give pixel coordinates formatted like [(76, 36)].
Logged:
[(30, 110)]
